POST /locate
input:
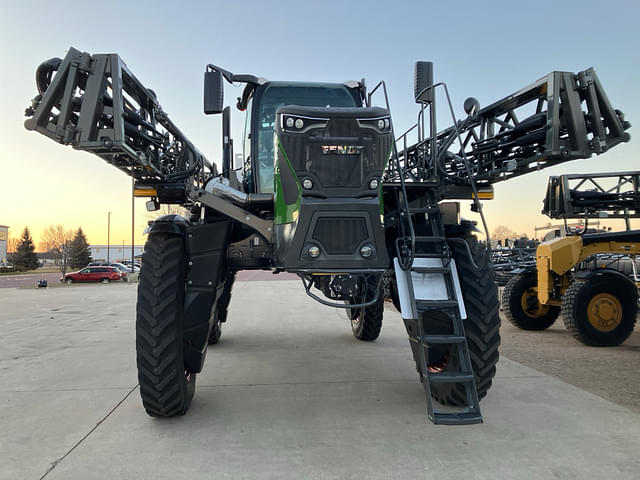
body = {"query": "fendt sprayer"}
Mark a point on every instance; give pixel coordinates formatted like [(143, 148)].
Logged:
[(327, 192)]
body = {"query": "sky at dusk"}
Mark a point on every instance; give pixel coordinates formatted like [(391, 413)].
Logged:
[(482, 49)]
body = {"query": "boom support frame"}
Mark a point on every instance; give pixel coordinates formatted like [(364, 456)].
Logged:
[(561, 117), (95, 103)]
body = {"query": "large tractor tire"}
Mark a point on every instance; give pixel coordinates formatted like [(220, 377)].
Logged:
[(166, 387), (521, 305), (600, 311), (222, 307), (366, 322), (482, 327)]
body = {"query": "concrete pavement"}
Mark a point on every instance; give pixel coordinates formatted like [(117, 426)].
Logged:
[(288, 393)]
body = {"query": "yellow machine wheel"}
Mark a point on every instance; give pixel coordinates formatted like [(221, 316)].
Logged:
[(604, 312), (521, 306), (601, 310)]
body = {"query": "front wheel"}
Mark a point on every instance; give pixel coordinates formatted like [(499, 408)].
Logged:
[(68, 280), (482, 326), (600, 311), (166, 387), (105, 280), (366, 322), (522, 307)]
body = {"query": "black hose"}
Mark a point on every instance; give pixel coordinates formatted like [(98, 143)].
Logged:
[(44, 73)]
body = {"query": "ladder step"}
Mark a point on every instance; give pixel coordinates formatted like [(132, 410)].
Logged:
[(465, 418), (431, 269), (457, 377), (431, 239), (443, 339), (429, 255), (430, 304)]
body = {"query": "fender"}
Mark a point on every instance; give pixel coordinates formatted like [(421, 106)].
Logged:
[(587, 274), (206, 250), (175, 224)]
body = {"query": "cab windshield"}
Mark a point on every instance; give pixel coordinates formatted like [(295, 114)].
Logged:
[(275, 96)]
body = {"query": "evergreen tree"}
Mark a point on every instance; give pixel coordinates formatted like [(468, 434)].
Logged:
[(25, 257), (79, 252)]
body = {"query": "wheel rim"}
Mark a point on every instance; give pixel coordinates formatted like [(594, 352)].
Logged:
[(530, 305), (604, 312)]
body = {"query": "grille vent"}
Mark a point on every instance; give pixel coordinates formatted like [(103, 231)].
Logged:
[(340, 235)]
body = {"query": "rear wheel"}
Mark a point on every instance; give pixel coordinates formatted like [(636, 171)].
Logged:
[(482, 327), (366, 322), (521, 305), (600, 311), (166, 387)]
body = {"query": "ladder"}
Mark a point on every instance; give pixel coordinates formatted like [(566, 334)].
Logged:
[(432, 285)]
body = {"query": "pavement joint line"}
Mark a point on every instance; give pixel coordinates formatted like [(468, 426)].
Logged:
[(344, 382), (53, 390), (337, 382), (55, 463)]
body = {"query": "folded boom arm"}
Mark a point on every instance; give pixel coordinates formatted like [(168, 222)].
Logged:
[(94, 103), (558, 118)]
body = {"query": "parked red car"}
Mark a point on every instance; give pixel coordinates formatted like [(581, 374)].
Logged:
[(94, 274)]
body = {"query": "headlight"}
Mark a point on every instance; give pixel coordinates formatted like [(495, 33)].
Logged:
[(382, 124), (294, 123), (366, 251)]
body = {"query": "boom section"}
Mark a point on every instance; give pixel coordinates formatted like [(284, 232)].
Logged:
[(598, 195), (561, 117), (95, 103)]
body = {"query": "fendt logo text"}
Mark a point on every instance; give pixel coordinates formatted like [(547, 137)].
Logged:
[(341, 149)]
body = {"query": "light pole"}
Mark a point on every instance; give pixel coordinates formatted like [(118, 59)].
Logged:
[(108, 234), (133, 214)]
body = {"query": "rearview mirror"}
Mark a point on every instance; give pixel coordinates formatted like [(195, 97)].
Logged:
[(213, 92)]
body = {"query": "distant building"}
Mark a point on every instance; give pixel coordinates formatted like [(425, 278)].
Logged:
[(117, 253), (47, 258), (4, 238)]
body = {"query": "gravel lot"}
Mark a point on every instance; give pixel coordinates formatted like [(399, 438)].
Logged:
[(609, 372)]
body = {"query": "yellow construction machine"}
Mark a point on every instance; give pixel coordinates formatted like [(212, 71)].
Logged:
[(590, 279)]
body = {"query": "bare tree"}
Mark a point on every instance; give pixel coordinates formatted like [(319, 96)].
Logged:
[(167, 210), (12, 244), (501, 232), (55, 239), (12, 248)]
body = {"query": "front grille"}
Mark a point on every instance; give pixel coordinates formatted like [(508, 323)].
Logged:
[(340, 235), (336, 171)]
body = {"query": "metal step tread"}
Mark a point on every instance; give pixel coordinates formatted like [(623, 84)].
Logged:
[(464, 418), (431, 255), (430, 239), (443, 339), (456, 377), (436, 303), (431, 269)]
